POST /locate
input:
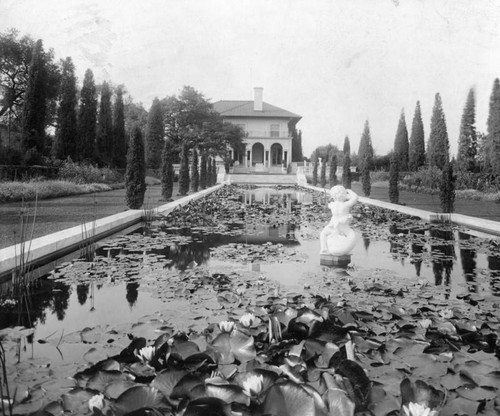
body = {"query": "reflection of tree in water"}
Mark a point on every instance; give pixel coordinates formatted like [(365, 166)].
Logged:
[(494, 266), (366, 241), (442, 256), (132, 293), (61, 293), (182, 256), (468, 260), (416, 252), (397, 244), (82, 291)]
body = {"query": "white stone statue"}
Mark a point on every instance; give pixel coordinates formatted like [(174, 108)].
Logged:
[(338, 238)]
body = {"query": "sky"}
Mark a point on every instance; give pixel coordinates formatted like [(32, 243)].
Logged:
[(337, 63)]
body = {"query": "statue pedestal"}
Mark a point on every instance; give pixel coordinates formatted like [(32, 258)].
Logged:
[(331, 260)]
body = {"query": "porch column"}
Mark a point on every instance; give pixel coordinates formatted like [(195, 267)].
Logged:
[(285, 157), (266, 160)]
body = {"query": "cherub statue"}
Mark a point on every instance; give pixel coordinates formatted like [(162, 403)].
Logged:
[(338, 238)]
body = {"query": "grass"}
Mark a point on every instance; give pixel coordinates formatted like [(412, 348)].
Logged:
[(28, 191)]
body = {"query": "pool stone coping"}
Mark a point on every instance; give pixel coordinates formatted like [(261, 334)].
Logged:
[(44, 249)]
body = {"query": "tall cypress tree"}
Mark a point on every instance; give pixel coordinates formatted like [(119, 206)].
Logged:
[(195, 176), (184, 171), (438, 147), (401, 144), (105, 127), (155, 134), (447, 188), (365, 151), (315, 170), (493, 139), (365, 156), (467, 140), (346, 165), (322, 176), (203, 170), (394, 179), (333, 169), (119, 137), (135, 172), (87, 119), (417, 141), (167, 169), (35, 107), (66, 132)]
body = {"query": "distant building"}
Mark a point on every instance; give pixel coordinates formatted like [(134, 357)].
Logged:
[(268, 142)]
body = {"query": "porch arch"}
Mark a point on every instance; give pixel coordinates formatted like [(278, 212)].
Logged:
[(257, 153), (276, 154)]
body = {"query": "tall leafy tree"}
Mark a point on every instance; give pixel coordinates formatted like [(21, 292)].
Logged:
[(15, 59), (195, 175), (155, 134), (467, 140), (184, 171), (203, 170), (333, 169), (417, 141), (394, 179), (135, 172), (87, 119), (105, 127), (167, 169), (438, 147), (65, 143), (35, 106), (493, 138), (401, 145), (119, 135), (346, 164)]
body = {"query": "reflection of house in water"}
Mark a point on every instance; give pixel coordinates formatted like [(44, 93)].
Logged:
[(269, 196)]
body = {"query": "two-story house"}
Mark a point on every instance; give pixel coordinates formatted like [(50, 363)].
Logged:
[(268, 141)]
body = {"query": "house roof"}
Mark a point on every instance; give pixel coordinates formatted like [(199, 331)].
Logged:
[(230, 108)]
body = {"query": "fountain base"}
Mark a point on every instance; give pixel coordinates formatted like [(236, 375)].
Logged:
[(331, 260)]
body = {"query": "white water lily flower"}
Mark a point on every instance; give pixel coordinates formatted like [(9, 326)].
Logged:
[(253, 385), (240, 290), (146, 354), (96, 402), (247, 320), (425, 323), (417, 409), (446, 313), (226, 326)]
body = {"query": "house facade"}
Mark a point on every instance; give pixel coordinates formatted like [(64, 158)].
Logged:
[(268, 129)]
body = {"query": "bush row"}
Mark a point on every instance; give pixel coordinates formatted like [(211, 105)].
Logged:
[(28, 191)]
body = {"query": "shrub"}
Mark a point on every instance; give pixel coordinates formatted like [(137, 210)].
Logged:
[(86, 173), (426, 177), (379, 176), (17, 191), (394, 180), (447, 189)]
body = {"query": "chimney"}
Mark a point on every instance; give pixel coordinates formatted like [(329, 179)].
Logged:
[(257, 98)]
